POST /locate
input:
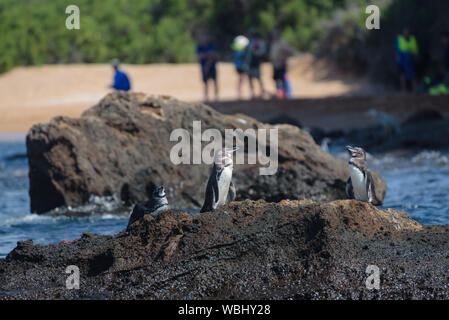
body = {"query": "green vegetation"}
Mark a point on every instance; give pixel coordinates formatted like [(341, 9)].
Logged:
[(33, 32)]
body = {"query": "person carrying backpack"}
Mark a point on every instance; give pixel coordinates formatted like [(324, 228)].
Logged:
[(255, 54)]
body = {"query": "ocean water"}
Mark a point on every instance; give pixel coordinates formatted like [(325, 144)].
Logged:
[(417, 184), (18, 224)]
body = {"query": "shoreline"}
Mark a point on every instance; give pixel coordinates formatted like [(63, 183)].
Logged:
[(35, 94), (343, 113), (7, 137)]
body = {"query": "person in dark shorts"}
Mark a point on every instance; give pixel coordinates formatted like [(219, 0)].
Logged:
[(255, 54), (406, 53), (445, 40), (239, 46), (279, 53), (207, 57)]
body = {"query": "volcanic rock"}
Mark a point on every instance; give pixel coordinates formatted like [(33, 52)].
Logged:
[(121, 148), (244, 250)]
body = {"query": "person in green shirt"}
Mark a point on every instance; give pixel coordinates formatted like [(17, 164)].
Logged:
[(406, 53)]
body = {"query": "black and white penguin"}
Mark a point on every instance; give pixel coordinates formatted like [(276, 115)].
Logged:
[(153, 206), (220, 186), (360, 185)]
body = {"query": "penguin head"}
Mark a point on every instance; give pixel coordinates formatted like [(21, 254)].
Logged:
[(357, 152), (159, 192), (223, 157)]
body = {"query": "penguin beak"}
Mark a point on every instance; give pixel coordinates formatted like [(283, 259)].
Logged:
[(352, 151), (161, 192), (231, 150)]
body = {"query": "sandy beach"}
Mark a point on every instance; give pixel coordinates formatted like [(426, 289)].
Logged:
[(32, 95)]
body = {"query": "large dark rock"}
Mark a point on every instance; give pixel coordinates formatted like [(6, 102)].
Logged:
[(244, 250), (424, 116), (423, 130), (120, 147)]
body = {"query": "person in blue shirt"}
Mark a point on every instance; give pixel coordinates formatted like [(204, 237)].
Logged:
[(121, 80), (207, 57)]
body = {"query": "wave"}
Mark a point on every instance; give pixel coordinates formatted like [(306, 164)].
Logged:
[(15, 173), (96, 205), (431, 158), (424, 159), (28, 219), (48, 219)]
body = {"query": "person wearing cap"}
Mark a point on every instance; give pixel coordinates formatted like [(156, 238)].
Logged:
[(239, 46), (121, 80)]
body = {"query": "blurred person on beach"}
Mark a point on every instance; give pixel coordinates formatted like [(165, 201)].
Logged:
[(280, 51), (207, 57), (121, 80), (255, 53), (445, 40), (406, 54), (239, 46)]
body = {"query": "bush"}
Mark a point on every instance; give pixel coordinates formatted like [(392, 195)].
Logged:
[(143, 31)]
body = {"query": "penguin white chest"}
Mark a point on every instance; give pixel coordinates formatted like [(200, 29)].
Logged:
[(223, 185), (156, 212), (358, 183)]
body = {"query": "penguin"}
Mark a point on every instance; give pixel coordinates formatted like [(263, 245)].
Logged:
[(360, 185), (220, 186), (153, 206), (325, 144)]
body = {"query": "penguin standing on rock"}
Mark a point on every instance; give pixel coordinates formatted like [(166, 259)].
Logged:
[(220, 186), (153, 206), (360, 185)]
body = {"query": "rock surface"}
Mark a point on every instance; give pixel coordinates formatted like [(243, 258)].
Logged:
[(244, 250), (423, 130), (121, 147)]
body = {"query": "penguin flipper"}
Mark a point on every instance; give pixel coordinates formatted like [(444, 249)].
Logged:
[(349, 189), (232, 193), (371, 191), (138, 212), (211, 199), (216, 193)]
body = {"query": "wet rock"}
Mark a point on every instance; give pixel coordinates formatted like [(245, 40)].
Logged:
[(424, 116), (284, 118), (428, 132), (121, 148), (244, 250)]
